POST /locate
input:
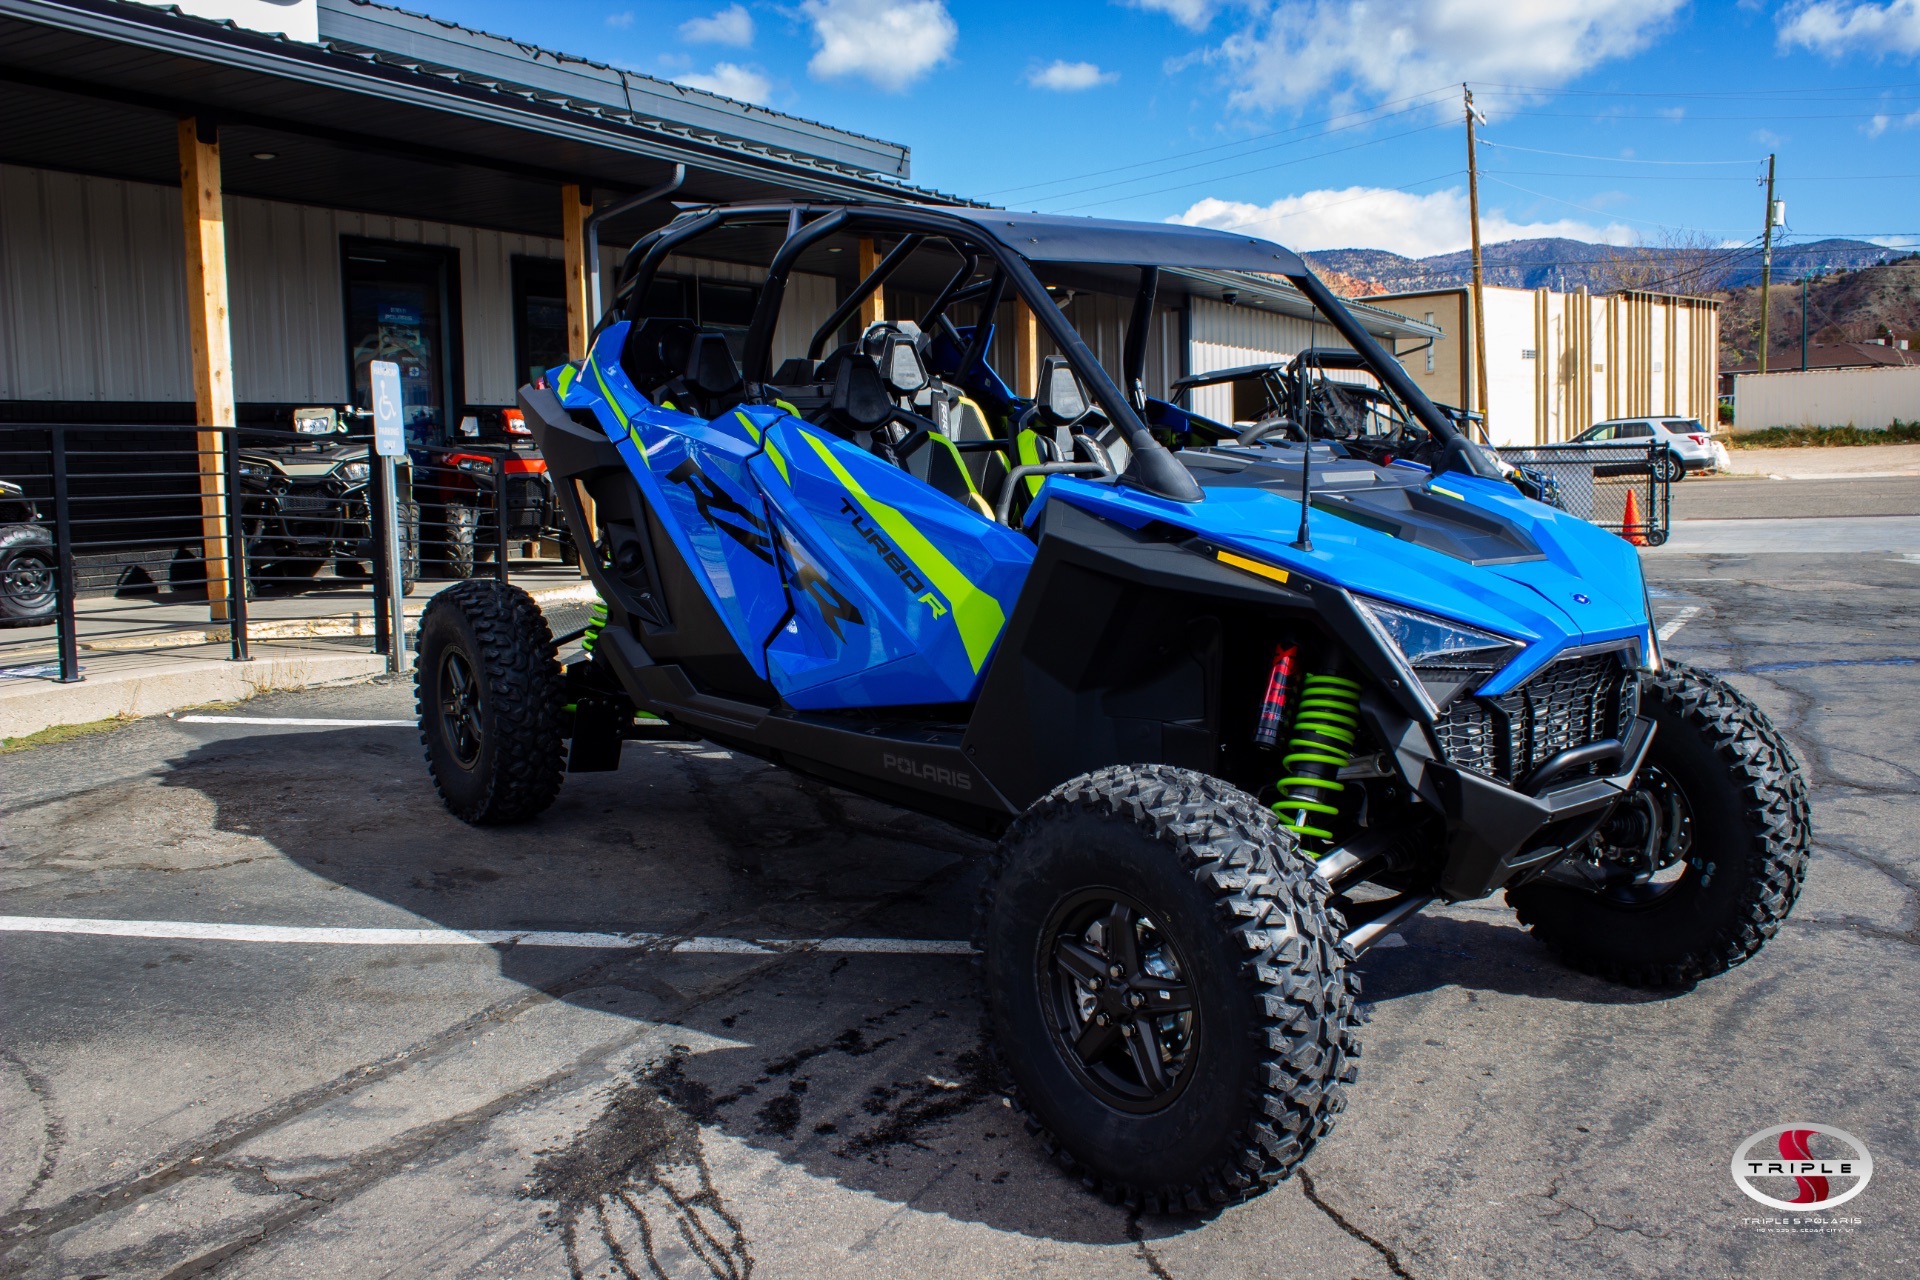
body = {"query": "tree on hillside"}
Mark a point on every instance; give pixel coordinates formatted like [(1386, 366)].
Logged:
[(1686, 262)]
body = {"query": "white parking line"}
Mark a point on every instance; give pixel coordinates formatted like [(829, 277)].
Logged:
[(341, 936), (300, 721), (1677, 621)]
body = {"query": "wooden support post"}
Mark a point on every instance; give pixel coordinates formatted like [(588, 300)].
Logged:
[(873, 308), (573, 222), (211, 338), (1026, 350)]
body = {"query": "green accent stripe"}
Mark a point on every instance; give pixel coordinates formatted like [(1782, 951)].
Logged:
[(977, 614), (779, 462), (747, 422), (567, 373), (606, 392)]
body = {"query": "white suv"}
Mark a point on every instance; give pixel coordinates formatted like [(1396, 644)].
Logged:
[(1690, 447)]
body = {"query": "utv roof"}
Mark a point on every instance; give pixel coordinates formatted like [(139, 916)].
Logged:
[(1052, 237), (1323, 357)]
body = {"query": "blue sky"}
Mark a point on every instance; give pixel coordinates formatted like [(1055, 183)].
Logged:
[(1329, 123)]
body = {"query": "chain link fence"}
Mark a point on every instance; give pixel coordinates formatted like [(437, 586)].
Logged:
[(1623, 487)]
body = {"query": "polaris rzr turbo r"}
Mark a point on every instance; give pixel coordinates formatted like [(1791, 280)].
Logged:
[(1226, 739)]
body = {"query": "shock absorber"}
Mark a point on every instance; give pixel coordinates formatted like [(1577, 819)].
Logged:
[(1321, 744), (596, 621)]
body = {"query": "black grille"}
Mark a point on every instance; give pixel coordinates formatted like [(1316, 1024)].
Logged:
[(1572, 703)]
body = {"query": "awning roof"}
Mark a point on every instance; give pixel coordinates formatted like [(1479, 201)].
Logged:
[(396, 113)]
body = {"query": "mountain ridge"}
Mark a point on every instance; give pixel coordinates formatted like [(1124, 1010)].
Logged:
[(1566, 265)]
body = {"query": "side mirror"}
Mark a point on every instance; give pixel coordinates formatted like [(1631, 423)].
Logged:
[(1062, 400)]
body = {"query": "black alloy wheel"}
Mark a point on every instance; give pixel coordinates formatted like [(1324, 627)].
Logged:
[(462, 708), (1697, 868), (1117, 1000), (1178, 1056), (1644, 843)]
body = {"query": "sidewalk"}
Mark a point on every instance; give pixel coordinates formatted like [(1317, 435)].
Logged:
[(143, 659), (1838, 462)]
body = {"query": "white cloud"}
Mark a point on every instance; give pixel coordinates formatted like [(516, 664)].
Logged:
[(1191, 14), (1833, 28), (1300, 50), (891, 43), (620, 21), (745, 84), (1070, 77), (733, 25), (1417, 226), (1882, 122)]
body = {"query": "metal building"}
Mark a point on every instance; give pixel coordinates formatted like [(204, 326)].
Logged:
[(1559, 362)]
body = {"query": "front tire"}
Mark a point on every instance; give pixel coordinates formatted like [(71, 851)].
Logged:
[(28, 577), (1166, 904), (488, 691), (1708, 854)]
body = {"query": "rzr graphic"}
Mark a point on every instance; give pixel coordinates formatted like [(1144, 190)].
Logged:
[(1462, 686), (834, 607), (710, 497)]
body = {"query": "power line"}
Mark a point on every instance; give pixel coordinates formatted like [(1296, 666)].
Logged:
[(1571, 155), (1663, 177), (1369, 115), (1744, 94), (1598, 213), (1227, 177)]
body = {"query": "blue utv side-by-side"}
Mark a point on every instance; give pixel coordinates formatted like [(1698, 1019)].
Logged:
[(1236, 699)]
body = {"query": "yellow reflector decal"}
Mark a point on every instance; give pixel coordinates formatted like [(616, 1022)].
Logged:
[(1252, 566), (977, 614), (1457, 497)]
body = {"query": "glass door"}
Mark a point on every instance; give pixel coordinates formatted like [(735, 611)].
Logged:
[(400, 306)]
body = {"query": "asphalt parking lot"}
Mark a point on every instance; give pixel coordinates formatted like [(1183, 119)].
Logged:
[(701, 1102)]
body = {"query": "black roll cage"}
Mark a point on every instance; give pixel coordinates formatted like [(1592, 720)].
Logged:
[(1152, 466)]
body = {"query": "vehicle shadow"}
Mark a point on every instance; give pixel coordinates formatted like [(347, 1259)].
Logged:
[(866, 1070)]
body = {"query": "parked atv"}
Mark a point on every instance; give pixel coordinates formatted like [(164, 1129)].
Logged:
[(457, 487), (27, 571), (304, 503), (1227, 739)]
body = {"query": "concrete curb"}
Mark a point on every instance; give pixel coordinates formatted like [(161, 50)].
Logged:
[(152, 684), (29, 706)]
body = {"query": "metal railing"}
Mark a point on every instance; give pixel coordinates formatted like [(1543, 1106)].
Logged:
[(1622, 487), (150, 537)]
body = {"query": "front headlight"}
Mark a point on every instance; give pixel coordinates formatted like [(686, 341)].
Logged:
[(1432, 644), (1649, 660), (355, 472)]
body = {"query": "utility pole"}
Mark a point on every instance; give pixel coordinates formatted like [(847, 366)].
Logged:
[(1479, 295), (1766, 268), (1803, 324)]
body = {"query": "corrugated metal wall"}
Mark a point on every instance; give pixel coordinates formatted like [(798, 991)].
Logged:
[(1226, 336), (1870, 398), (93, 293), (92, 289)]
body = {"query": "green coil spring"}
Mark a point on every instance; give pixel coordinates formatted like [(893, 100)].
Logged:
[(1321, 745), (595, 622)]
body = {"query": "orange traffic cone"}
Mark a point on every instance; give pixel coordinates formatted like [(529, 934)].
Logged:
[(1631, 528)]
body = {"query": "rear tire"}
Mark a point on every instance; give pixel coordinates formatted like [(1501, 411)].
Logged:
[(1211, 900), (488, 691), (462, 536), (1743, 811)]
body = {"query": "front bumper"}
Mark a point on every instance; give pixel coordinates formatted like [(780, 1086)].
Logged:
[(1496, 831)]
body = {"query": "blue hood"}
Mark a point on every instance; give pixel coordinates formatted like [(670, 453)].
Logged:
[(1583, 587)]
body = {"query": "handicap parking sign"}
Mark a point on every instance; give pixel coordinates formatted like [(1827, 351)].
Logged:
[(389, 434)]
